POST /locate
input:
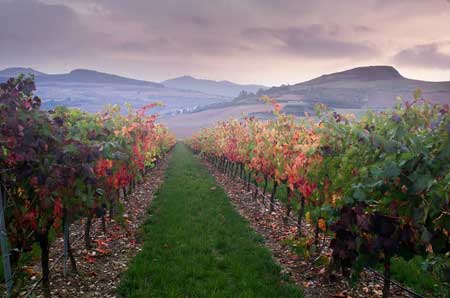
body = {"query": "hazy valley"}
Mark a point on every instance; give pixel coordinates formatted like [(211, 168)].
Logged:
[(190, 103)]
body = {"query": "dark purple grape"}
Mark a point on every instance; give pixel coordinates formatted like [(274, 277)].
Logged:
[(396, 118), (383, 225), (59, 121)]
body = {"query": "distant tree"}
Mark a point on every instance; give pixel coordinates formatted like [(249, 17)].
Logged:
[(243, 94)]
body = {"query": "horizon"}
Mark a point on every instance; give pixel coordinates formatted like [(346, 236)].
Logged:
[(217, 81), (265, 43)]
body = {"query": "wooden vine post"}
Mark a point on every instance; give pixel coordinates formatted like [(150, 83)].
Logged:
[(4, 245), (272, 197)]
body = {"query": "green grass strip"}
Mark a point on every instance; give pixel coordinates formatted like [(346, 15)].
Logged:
[(197, 245)]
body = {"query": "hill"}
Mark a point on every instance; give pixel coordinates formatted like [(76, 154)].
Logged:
[(223, 88), (362, 87), (91, 90), (77, 76), (15, 71)]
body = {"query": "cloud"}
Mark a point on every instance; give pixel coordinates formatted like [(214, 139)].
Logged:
[(362, 29), (201, 21), (314, 41), (219, 38), (145, 46), (432, 55), (35, 30)]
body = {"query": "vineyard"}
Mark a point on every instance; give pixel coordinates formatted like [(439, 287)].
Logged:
[(337, 198), (61, 166), (376, 189)]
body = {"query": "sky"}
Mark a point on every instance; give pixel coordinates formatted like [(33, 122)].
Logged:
[(269, 42)]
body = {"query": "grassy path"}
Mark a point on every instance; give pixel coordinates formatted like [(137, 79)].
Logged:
[(196, 245)]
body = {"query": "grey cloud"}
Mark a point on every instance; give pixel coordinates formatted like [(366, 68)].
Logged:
[(424, 56), (134, 46), (315, 41), (219, 34), (362, 29), (160, 43), (200, 21), (31, 21), (35, 30)]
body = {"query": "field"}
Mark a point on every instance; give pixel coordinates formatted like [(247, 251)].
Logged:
[(186, 125), (338, 205)]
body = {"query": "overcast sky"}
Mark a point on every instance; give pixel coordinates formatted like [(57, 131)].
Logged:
[(270, 42)]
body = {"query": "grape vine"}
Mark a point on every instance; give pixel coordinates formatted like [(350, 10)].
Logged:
[(63, 165), (378, 185)]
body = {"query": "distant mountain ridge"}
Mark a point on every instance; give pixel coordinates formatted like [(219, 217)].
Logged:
[(77, 76), (361, 87), (223, 88), (367, 73), (220, 88), (15, 71), (91, 90)]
